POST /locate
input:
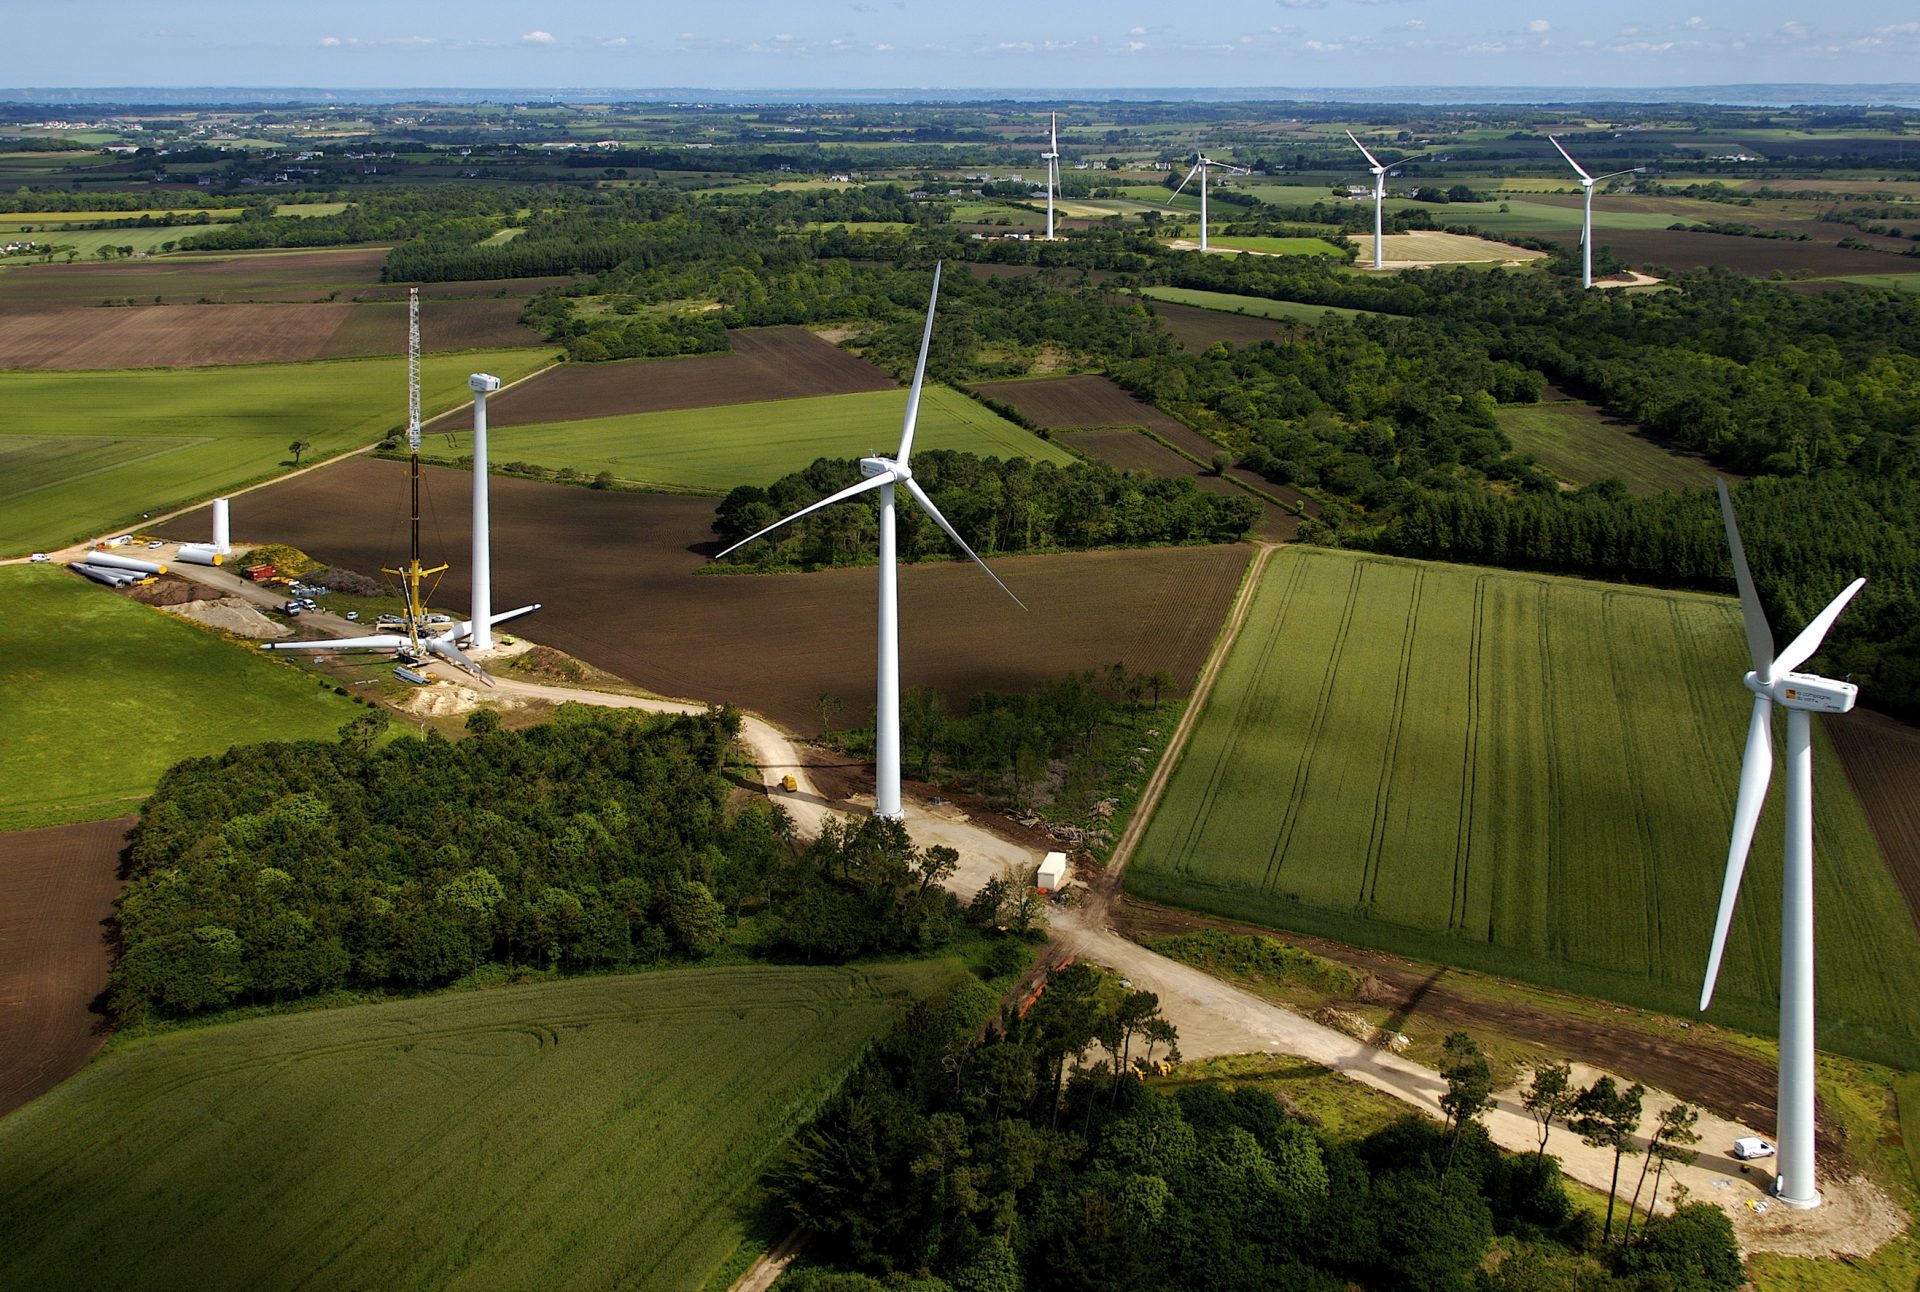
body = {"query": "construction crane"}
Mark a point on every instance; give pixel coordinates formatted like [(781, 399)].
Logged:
[(411, 576)]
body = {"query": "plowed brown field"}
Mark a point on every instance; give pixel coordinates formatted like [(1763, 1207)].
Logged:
[(1069, 403), (1196, 329), (619, 576), (1882, 758), (183, 279), (765, 363), (1132, 450), (36, 334), (1673, 249), (56, 891)]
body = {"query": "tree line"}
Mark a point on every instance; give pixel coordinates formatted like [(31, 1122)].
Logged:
[(979, 1149), (600, 839), (1018, 505)]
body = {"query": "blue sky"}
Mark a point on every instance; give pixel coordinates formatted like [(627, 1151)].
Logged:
[(743, 44)]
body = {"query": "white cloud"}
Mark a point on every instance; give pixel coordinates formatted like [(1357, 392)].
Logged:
[(613, 42), (1695, 23), (330, 42), (537, 38), (1539, 26), (1416, 24)]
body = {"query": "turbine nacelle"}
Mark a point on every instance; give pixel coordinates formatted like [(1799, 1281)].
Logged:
[(871, 467), (1807, 691)]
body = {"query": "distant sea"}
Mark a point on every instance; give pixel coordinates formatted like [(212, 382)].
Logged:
[(1903, 94)]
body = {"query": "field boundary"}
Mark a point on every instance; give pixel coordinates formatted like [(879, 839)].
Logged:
[(1196, 700)]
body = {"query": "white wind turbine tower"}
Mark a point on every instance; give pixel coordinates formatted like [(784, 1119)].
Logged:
[(1586, 224), (1774, 682), (883, 474), (1200, 164), (1052, 159), (1379, 195)]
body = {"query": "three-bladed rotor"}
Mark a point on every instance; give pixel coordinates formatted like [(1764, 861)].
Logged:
[(1772, 682), (878, 472)]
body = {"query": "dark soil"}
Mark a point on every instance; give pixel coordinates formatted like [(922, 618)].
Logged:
[(619, 574), (56, 896), (765, 363)]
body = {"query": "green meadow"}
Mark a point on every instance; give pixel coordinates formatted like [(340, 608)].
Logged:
[(101, 695), (710, 450), (586, 1133), (86, 453), (1580, 444), (1258, 306)]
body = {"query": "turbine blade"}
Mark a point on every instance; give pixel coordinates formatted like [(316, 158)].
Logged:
[(454, 655), (852, 490), (1364, 153), (1759, 636), (386, 641), (1755, 771), (1054, 130), (1801, 649), (926, 505), (1570, 161), (1183, 183), (919, 374), (1616, 174)]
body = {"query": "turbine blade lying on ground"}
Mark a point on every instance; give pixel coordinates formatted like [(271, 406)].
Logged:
[(1755, 771), (1801, 649), (926, 505), (1570, 161), (386, 641), (852, 490), (919, 373), (454, 655), (1759, 636)]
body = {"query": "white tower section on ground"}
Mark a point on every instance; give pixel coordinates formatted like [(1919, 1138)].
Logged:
[(222, 538), (482, 384)]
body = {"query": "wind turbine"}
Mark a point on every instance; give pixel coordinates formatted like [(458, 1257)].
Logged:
[(1586, 224), (1200, 164), (1772, 682), (1052, 159), (883, 474), (1379, 195)]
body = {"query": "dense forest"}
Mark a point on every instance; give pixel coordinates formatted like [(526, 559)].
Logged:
[(1013, 506), (598, 839), (1023, 1157)]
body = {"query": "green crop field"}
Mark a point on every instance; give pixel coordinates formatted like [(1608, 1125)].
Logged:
[(592, 1133), (1909, 283), (1258, 306), (1278, 246), (1547, 220), (711, 450), (1523, 774), (101, 695), (83, 453), (1581, 444)]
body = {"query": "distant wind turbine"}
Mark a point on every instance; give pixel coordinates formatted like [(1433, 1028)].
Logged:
[(1772, 682), (1379, 195), (1586, 224), (883, 474), (1200, 165), (1052, 159)]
